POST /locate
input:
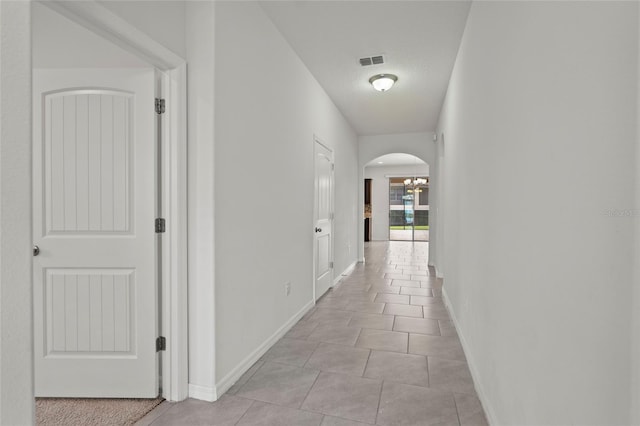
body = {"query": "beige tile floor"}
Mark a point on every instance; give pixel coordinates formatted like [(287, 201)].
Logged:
[(379, 348)]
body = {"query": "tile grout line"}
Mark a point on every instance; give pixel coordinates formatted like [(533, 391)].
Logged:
[(366, 364), (375, 421), (309, 391), (428, 372), (311, 354), (455, 403), (154, 420), (252, 374), (253, 401), (355, 344)]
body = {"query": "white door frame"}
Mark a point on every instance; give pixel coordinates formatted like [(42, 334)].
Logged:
[(93, 16), (317, 140)]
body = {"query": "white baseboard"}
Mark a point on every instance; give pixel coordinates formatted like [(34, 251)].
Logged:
[(346, 272), (227, 381), (203, 393), (488, 410), (439, 273)]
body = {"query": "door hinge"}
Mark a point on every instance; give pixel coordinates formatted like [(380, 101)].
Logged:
[(161, 344), (160, 106), (330, 265), (333, 167), (160, 225)]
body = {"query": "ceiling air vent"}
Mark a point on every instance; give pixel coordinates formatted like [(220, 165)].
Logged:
[(372, 60)]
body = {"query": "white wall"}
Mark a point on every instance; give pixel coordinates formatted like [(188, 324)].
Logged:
[(436, 213), (162, 20), (59, 42), (200, 58), (540, 133), (635, 301), (370, 147), (419, 144), (380, 194), (16, 328), (267, 109)]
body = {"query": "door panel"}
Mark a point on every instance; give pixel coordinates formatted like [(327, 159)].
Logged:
[(95, 298), (87, 155), (323, 265), (89, 311)]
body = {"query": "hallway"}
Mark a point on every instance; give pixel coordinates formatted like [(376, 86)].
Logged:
[(379, 348)]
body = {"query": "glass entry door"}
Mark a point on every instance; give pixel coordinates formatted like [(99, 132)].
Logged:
[(409, 209)]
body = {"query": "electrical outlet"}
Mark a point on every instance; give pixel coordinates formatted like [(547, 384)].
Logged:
[(287, 289)]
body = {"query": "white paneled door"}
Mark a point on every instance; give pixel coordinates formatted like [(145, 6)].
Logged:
[(323, 250), (95, 298)]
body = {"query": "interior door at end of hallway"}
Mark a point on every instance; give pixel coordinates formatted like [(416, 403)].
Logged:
[(95, 277), (323, 232)]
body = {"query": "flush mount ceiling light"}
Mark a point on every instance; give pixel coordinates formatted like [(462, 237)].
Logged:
[(383, 82)]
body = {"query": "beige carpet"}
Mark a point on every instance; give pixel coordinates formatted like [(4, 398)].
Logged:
[(86, 411)]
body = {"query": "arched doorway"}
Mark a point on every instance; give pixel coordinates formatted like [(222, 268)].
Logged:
[(396, 198), (418, 144)]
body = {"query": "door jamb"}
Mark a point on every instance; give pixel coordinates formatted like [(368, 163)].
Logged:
[(96, 18)]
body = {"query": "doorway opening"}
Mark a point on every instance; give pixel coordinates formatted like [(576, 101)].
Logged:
[(396, 198)]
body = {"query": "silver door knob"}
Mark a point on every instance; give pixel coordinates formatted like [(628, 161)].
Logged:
[(36, 250)]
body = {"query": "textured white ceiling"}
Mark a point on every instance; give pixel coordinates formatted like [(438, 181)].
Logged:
[(419, 40)]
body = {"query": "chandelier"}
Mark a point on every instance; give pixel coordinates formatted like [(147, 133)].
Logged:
[(415, 184)]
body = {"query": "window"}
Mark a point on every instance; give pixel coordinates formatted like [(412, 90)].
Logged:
[(423, 200), (396, 194)]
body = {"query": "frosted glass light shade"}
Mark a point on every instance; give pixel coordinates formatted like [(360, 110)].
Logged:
[(383, 82)]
